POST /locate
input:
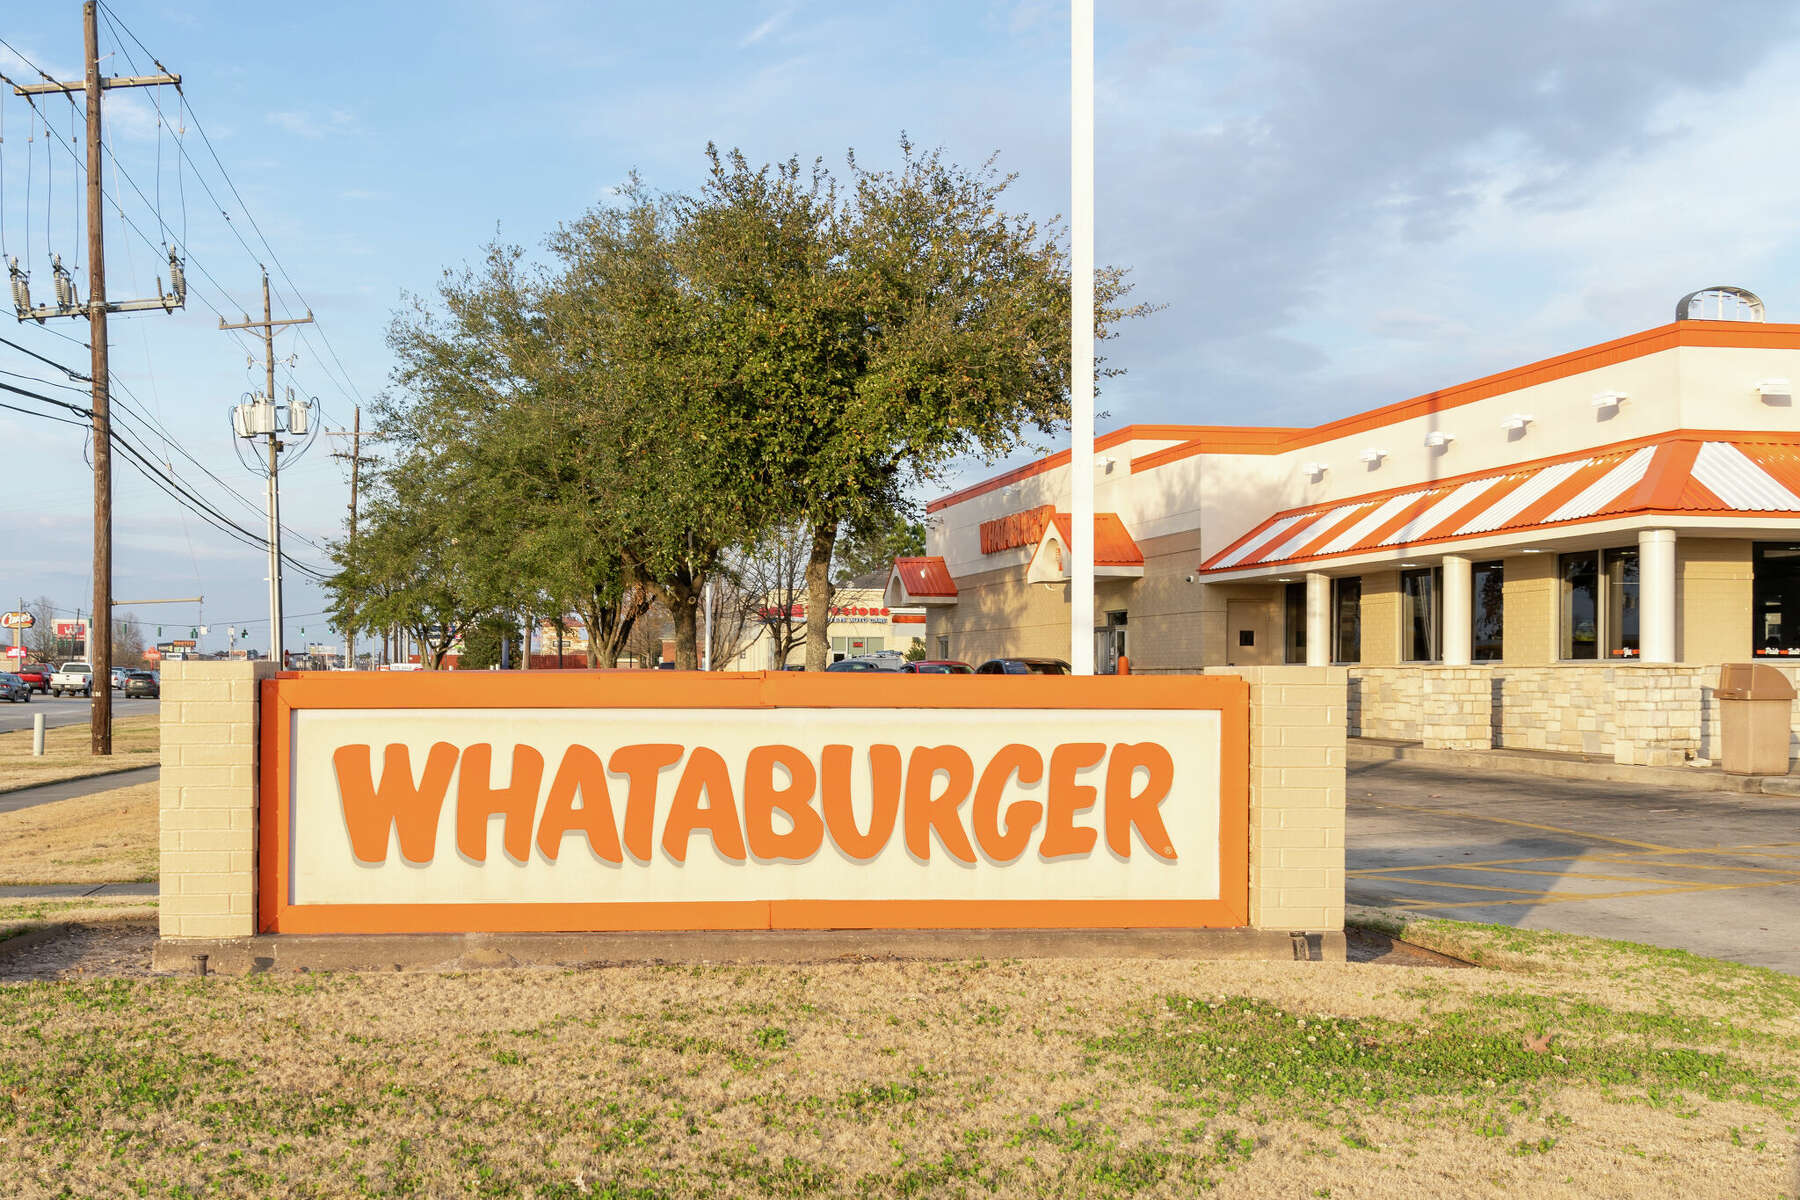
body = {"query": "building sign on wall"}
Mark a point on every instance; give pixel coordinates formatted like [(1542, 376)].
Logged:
[(1018, 529), (413, 803)]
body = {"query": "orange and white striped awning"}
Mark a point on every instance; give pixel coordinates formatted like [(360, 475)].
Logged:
[(1680, 473)]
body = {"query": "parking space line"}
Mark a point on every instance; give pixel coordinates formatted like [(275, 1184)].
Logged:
[(1688, 866), (1472, 887), (1469, 816), (1505, 870)]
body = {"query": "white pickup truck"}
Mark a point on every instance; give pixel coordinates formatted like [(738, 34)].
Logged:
[(74, 677)]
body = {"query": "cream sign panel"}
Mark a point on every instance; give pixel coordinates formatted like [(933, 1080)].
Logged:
[(449, 806)]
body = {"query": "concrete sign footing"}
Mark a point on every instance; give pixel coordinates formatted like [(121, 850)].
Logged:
[(477, 951)]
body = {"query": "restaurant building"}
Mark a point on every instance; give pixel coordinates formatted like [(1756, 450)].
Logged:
[(1555, 557)]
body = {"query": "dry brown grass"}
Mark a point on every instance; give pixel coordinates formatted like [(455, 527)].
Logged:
[(108, 837), (136, 743), (1015, 1079)]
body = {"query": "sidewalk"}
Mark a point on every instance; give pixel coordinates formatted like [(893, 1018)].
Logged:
[(68, 789), (1557, 765)]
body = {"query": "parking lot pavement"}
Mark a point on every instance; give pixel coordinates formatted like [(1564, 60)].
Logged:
[(1717, 874), (68, 710)]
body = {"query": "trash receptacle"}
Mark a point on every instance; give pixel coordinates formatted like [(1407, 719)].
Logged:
[(1756, 705)]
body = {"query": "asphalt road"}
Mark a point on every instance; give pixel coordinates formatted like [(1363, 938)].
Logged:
[(1714, 873), (66, 710)]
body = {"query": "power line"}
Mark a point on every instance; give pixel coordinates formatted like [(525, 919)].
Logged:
[(243, 207)]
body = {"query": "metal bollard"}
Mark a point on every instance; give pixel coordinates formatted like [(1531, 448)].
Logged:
[(37, 735)]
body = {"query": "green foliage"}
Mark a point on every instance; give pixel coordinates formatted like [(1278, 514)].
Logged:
[(871, 548), (689, 374)]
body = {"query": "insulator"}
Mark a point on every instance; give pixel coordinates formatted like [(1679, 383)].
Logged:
[(21, 287), (177, 278), (65, 286)]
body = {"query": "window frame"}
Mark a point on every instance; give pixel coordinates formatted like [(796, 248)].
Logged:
[(1604, 558), (1338, 585), (1476, 611), (1293, 639), (1434, 598)]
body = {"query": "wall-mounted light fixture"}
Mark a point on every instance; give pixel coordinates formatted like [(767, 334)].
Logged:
[(1314, 470), (1438, 438), (1373, 455), (1605, 400), (1517, 422), (1774, 387)]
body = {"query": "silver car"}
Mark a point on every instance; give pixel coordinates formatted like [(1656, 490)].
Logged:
[(13, 689)]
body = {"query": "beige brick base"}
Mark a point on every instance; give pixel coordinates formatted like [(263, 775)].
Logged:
[(1297, 722), (208, 801)]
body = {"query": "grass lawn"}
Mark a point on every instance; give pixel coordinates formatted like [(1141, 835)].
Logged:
[(136, 743), (1664, 1074), (108, 837)]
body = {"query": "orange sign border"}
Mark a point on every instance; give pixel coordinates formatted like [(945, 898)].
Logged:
[(289, 692)]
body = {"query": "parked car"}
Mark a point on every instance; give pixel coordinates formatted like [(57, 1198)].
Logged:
[(13, 689), (142, 684), (938, 666), (36, 675), (870, 662), (73, 677), (1023, 666)]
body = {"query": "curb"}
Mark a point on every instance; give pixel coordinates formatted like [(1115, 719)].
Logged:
[(1525, 762)]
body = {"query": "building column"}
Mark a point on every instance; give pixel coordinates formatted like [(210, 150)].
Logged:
[(1656, 595), (1318, 620), (1459, 614)]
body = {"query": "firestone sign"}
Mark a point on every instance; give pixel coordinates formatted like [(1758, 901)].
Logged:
[(407, 803)]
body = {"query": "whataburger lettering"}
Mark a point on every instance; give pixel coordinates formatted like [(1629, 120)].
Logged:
[(627, 801)]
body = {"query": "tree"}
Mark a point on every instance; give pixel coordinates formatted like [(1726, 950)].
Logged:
[(772, 583), (40, 639), (643, 385), (881, 333)]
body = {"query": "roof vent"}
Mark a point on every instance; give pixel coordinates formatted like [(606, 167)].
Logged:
[(1720, 303)]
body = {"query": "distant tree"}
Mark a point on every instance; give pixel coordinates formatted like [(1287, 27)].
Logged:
[(482, 641), (772, 581), (872, 548), (40, 639)]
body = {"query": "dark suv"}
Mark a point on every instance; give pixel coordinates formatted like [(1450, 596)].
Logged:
[(142, 684), (1023, 666)]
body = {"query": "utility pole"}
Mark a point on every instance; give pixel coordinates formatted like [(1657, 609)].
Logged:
[(271, 426), (100, 641), (355, 478)]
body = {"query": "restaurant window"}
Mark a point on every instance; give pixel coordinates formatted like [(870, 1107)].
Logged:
[(943, 649), (1599, 604), (1775, 586), (1294, 607), (1346, 620), (1621, 591), (1421, 616), (1487, 588)]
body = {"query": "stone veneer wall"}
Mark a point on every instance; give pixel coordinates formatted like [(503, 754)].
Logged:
[(1384, 702), (1633, 713)]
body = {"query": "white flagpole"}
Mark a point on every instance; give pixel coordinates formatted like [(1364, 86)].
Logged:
[(1081, 361)]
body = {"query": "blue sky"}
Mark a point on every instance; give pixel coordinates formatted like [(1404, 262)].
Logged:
[(1339, 204)]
